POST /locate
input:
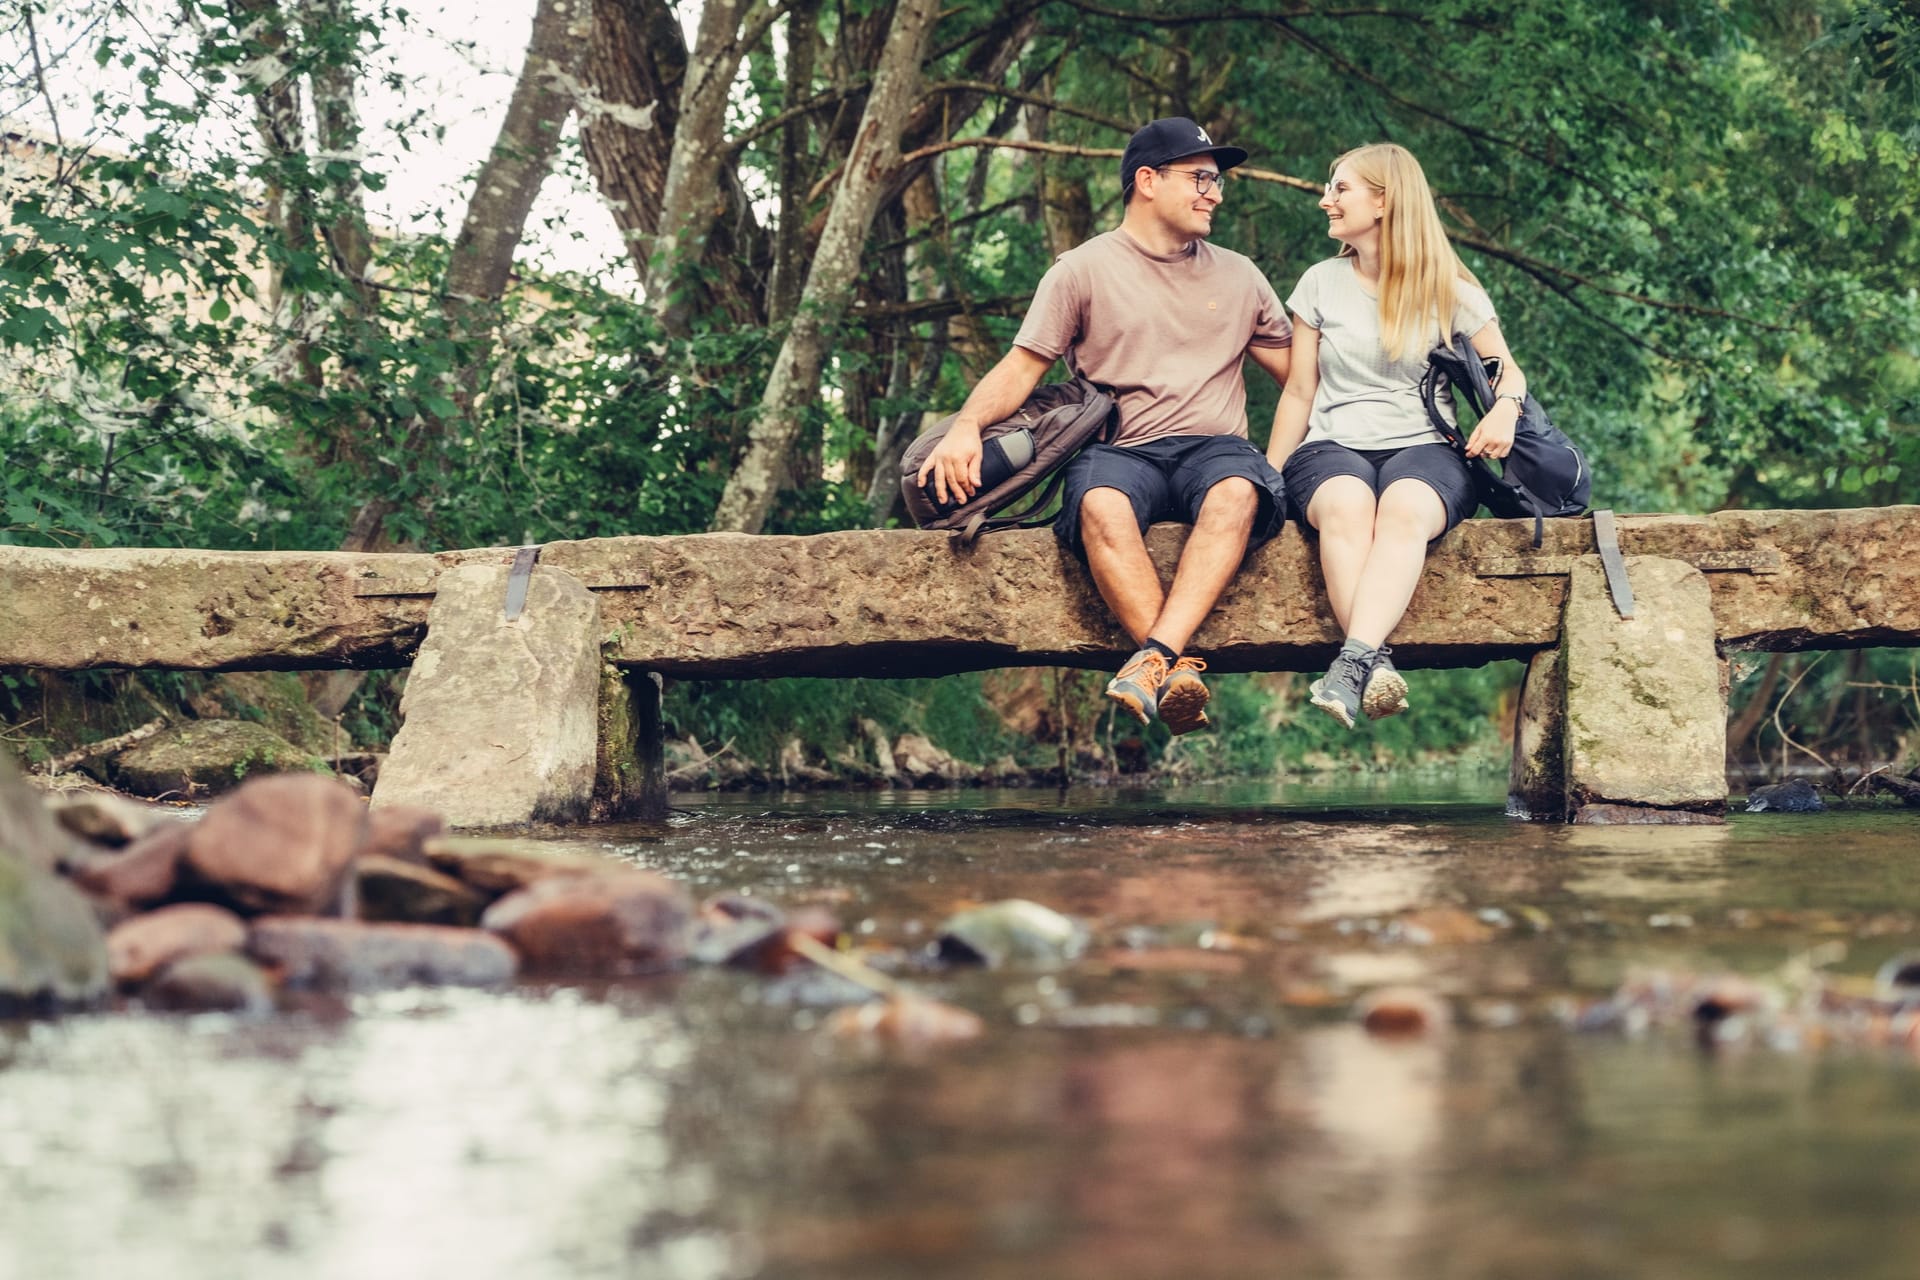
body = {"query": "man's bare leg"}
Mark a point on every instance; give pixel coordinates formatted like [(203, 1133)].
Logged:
[(1117, 557), (1212, 556)]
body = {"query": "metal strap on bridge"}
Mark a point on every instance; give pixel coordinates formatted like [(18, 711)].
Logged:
[(1606, 540), (517, 578)]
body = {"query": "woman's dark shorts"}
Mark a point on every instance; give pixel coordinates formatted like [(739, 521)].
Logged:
[(1443, 470), (1168, 479)]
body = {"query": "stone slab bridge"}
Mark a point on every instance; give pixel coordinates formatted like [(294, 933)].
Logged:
[(554, 714)]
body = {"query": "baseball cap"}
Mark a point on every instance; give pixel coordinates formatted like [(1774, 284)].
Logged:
[(1165, 141)]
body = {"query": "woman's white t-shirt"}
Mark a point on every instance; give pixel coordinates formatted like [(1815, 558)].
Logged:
[(1366, 400)]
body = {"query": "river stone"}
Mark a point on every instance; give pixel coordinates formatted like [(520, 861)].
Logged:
[(402, 891), (140, 875), (280, 844), (1796, 795), (1011, 932), (499, 718), (221, 981), (352, 955), (102, 818), (1646, 713), (616, 924), (140, 947), (497, 867), (51, 949), (207, 757), (401, 831), (27, 830)]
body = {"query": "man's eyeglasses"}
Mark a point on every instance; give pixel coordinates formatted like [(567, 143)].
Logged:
[(1204, 180)]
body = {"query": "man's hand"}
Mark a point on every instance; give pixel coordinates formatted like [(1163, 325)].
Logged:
[(954, 464), (1493, 436)]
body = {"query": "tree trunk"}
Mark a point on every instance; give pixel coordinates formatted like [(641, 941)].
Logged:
[(521, 158), (788, 271), (795, 381), (634, 64)]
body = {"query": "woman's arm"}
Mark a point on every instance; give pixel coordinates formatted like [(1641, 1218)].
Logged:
[(1296, 401), (1493, 435)]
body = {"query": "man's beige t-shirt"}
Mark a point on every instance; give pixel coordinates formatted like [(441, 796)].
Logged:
[(1165, 334)]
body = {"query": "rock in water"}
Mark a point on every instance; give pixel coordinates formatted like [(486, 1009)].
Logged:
[(279, 844), (51, 948), (141, 947), (1015, 932), (1794, 796), (613, 925)]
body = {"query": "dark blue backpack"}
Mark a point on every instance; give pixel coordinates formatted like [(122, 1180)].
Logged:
[(1544, 475)]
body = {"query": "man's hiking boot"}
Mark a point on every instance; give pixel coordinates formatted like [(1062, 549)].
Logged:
[(1183, 698), (1385, 693), (1137, 687), (1338, 692)]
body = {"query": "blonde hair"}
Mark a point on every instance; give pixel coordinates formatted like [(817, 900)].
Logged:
[(1418, 267)]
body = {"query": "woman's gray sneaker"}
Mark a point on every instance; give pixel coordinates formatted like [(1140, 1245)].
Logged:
[(1385, 692), (1338, 692)]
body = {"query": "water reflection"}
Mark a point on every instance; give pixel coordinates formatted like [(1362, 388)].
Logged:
[(1192, 1099)]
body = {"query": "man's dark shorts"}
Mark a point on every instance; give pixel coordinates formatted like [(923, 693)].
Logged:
[(1438, 465), (1168, 479)]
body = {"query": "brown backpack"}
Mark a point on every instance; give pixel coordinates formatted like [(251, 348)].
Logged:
[(1020, 453)]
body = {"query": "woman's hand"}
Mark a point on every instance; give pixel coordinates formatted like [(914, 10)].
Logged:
[(1493, 436)]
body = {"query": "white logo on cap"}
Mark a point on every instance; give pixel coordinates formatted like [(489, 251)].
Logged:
[(1204, 138)]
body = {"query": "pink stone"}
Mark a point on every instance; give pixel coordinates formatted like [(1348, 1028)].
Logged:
[(609, 925), (140, 947), (280, 843)]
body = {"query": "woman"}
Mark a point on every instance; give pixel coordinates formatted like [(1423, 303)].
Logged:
[(1363, 464)]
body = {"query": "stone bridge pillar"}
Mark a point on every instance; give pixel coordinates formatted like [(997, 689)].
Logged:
[(1626, 720)]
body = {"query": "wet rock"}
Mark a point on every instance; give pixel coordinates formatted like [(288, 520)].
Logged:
[(748, 934), (500, 718), (1012, 932), (1899, 978), (51, 949), (1796, 795), (140, 947), (140, 875), (730, 927), (279, 844), (103, 819), (353, 955), (218, 982), (796, 771), (610, 925), (402, 831), (27, 830), (906, 1019), (1403, 1011), (1442, 926), (391, 889), (924, 765), (207, 757), (496, 867)]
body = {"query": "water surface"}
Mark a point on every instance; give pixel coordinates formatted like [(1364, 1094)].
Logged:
[(1192, 1098)]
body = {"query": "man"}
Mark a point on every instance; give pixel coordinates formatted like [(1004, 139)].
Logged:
[(1161, 318)]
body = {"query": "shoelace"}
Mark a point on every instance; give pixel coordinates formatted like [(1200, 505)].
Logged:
[(1149, 665), (1191, 664), (1349, 666)]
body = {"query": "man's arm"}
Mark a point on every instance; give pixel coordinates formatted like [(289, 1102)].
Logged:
[(955, 462)]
